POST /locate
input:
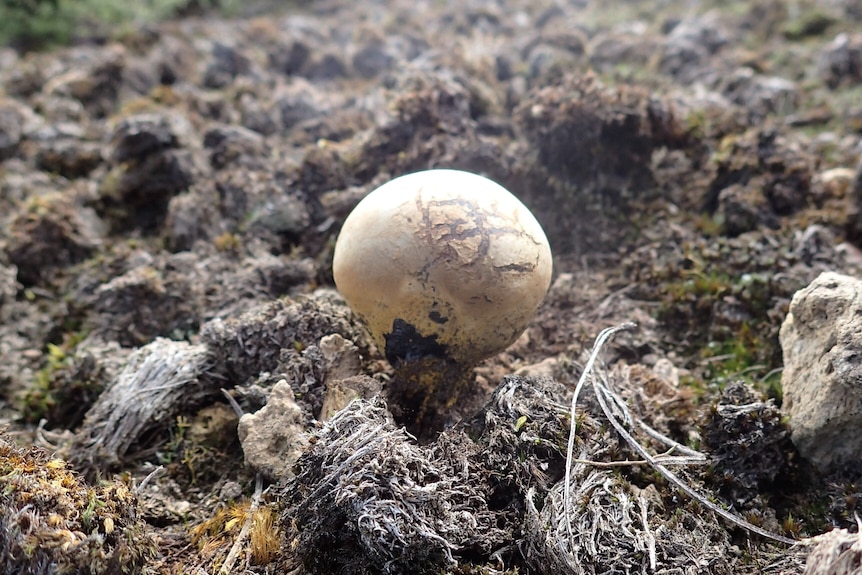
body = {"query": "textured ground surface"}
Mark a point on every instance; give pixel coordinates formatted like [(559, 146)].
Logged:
[(171, 199)]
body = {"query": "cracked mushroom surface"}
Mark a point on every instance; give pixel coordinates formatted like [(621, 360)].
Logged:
[(442, 265)]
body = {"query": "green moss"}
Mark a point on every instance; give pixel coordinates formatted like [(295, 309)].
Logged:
[(741, 357), (724, 322), (813, 23), (66, 386), (202, 448), (43, 24)]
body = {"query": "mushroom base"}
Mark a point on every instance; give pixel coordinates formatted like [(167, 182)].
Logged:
[(423, 390)]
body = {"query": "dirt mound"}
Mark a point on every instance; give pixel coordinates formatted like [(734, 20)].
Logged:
[(170, 201)]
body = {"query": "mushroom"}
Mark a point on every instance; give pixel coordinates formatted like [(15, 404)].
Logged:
[(445, 268)]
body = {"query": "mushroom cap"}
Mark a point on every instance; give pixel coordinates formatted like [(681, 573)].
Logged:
[(442, 263)]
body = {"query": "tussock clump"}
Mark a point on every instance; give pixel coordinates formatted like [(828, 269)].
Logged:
[(368, 499), (617, 528), (159, 379), (838, 552), (748, 444), (523, 432), (252, 343)]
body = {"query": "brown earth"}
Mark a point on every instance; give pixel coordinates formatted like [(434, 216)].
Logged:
[(170, 202)]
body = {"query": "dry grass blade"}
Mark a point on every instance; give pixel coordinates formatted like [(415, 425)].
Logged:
[(239, 542), (594, 354), (618, 415)]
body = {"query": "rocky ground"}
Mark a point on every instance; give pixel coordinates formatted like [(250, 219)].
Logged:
[(170, 201)]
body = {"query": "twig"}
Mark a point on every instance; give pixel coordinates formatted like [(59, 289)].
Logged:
[(674, 446), (665, 458), (649, 536), (56, 439), (610, 464), (770, 373), (233, 403), (153, 474), (603, 306)]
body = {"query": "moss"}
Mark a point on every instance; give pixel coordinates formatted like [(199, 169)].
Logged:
[(726, 320), (204, 448), (43, 24), (53, 520), (228, 242), (813, 23), (66, 386)]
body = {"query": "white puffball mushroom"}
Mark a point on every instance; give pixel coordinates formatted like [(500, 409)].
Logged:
[(444, 264)]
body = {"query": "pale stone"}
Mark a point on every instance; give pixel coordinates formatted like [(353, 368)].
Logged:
[(273, 437), (822, 343)]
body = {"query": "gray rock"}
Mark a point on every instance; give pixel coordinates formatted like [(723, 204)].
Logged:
[(189, 218), (174, 59), (289, 59), (27, 77), (137, 137), (546, 62), (57, 235), (743, 208), (822, 343), (375, 54), (281, 214), (275, 276), (299, 101), (60, 109), (8, 284), (373, 59), (841, 62), (760, 95), (146, 302), (227, 63), (8, 58), (690, 45), (256, 116), (342, 382), (12, 127), (152, 162), (682, 59), (69, 158), (94, 81), (273, 438), (329, 66), (148, 185), (230, 144), (705, 30)]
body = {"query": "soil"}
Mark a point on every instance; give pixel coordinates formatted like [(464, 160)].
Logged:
[(170, 201)]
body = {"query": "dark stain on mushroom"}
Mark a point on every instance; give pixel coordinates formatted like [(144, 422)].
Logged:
[(405, 343), (437, 318)]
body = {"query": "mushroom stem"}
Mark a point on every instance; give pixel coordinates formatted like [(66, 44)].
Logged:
[(422, 391)]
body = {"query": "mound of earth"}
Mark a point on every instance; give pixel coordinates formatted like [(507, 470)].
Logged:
[(182, 389)]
